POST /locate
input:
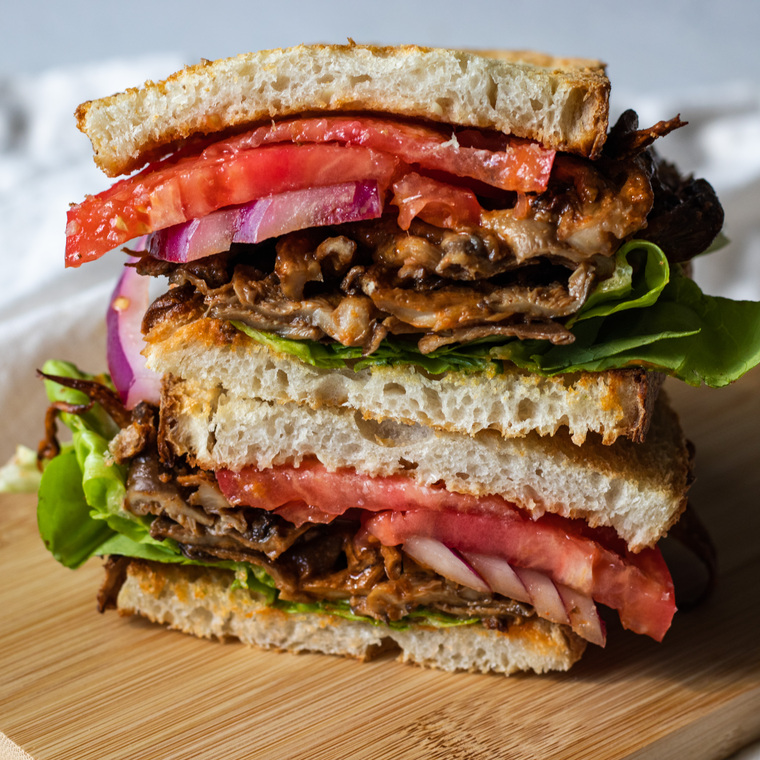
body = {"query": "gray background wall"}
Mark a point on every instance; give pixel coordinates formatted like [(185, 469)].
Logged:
[(660, 45)]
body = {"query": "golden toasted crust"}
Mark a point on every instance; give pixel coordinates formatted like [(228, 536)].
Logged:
[(562, 103), (545, 60)]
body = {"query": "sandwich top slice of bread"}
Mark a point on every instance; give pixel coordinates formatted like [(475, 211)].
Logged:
[(562, 103)]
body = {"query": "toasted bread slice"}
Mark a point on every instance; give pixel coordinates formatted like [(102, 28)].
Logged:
[(639, 489), (562, 103), (511, 401), (205, 602)]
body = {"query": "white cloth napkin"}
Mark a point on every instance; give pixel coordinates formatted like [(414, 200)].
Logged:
[(722, 144), (45, 164), (47, 311)]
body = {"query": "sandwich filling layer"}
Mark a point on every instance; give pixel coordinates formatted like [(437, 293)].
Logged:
[(351, 241), (459, 253)]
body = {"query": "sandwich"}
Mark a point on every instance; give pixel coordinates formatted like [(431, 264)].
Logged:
[(398, 381)]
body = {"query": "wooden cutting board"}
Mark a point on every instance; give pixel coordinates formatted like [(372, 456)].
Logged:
[(76, 684)]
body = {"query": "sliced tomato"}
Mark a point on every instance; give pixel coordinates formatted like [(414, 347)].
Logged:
[(638, 586), (592, 561), (194, 186), (338, 491), (435, 202), (503, 161), (290, 155)]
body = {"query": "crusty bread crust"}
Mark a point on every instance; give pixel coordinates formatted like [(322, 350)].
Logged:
[(562, 103), (513, 402), (204, 603), (638, 489)]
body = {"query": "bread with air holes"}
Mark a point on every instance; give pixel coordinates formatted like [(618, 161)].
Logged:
[(205, 603), (561, 103), (509, 400)]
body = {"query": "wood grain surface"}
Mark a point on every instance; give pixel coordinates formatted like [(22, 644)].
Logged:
[(76, 685)]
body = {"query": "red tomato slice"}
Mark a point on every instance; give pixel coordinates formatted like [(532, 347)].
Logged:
[(509, 163), (335, 492), (592, 561), (435, 202), (194, 186)]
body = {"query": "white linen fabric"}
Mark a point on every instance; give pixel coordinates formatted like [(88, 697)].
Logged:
[(47, 311)]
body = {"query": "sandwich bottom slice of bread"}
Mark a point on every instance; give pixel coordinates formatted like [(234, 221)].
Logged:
[(205, 602)]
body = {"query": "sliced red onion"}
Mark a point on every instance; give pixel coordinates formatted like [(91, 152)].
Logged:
[(267, 218), (552, 601), (500, 576), (313, 207), (445, 562), (196, 238), (133, 380), (544, 595), (583, 614)]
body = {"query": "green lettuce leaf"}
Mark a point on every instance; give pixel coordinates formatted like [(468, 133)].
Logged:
[(708, 339), (472, 357), (63, 515), (624, 290), (80, 514), (421, 616), (644, 315), (79, 507)]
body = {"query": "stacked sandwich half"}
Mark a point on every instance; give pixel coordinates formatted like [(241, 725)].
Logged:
[(401, 386)]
